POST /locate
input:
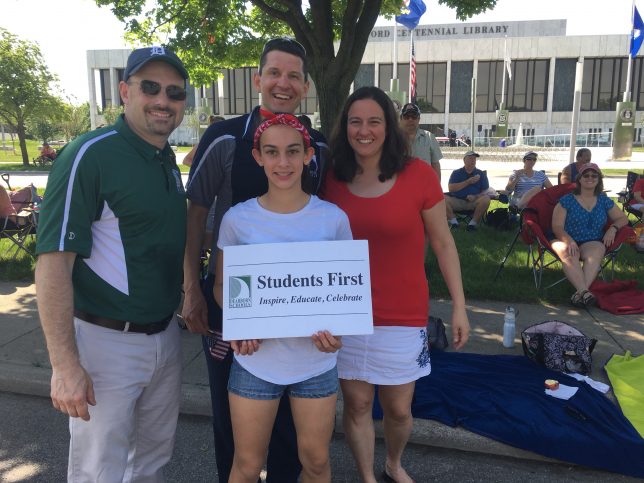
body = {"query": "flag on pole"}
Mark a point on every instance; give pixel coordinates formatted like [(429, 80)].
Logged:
[(411, 12), (637, 34), (412, 74), (508, 63)]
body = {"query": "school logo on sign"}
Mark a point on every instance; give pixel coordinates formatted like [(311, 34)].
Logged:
[(239, 292)]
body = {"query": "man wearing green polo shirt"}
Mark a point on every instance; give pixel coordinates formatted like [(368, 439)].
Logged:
[(110, 246)]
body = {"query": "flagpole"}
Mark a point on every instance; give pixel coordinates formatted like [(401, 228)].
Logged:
[(411, 49), (505, 45), (395, 72), (627, 93)]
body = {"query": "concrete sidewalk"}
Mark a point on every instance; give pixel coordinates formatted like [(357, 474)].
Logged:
[(25, 369)]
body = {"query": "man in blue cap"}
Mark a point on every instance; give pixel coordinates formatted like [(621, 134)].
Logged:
[(110, 243)]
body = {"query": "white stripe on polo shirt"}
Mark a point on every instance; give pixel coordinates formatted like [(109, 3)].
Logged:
[(70, 184)]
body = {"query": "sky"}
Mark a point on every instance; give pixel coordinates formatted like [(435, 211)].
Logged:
[(66, 29)]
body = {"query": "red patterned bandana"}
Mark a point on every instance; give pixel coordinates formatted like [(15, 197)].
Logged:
[(286, 120)]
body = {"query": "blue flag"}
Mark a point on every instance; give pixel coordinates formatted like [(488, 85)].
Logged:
[(637, 34), (411, 13)]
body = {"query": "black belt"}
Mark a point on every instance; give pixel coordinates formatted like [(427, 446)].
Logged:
[(149, 329)]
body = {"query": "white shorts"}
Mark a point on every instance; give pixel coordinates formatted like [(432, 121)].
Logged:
[(389, 356)]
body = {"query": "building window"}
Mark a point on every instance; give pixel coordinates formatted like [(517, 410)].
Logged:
[(605, 81), (239, 95), (564, 88), (431, 80), (526, 91), (385, 74), (488, 90), (211, 95), (309, 103), (106, 89), (460, 87)]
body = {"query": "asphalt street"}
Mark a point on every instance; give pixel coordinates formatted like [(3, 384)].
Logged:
[(33, 448)]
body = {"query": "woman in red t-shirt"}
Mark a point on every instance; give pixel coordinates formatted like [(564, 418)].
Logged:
[(394, 202)]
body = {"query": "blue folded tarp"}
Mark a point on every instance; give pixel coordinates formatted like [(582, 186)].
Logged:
[(502, 397)]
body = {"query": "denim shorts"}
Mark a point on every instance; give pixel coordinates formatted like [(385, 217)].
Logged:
[(242, 383)]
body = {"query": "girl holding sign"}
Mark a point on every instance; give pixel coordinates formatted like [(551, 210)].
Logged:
[(303, 368), (394, 202)]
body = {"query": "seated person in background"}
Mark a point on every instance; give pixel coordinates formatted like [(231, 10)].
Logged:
[(638, 195), (468, 190), (578, 222), (525, 183), (569, 173), (48, 151), (7, 210), (11, 205), (187, 161)]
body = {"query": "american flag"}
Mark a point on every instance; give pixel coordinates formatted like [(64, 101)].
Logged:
[(217, 346), (412, 74)]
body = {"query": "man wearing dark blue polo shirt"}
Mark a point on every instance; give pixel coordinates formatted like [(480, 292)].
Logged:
[(468, 187), (225, 170)]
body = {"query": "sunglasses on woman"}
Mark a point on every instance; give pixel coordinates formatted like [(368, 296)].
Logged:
[(590, 175), (151, 88)]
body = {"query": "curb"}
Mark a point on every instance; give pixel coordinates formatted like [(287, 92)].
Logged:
[(33, 380)]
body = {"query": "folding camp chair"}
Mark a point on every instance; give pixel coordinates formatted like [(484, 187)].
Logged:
[(626, 196), (17, 229), (536, 221), (18, 218)]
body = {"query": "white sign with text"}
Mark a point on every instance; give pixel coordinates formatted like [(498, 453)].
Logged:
[(296, 289)]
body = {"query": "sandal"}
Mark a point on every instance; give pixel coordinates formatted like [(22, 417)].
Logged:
[(577, 299), (588, 299)]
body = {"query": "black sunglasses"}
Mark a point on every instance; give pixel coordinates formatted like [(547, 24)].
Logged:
[(277, 42), (151, 88)]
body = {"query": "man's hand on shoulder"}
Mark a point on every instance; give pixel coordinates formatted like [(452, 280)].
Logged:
[(72, 390)]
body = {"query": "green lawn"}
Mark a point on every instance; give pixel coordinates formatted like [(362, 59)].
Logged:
[(13, 162), (480, 255), (616, 172), (15, 156)]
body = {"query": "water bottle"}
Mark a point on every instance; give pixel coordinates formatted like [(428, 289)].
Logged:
[(509, 327)]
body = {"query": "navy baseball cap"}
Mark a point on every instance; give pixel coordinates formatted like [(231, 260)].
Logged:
[(410, 108), (139, 57)]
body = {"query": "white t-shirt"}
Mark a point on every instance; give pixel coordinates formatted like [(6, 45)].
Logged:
[(293, 359)]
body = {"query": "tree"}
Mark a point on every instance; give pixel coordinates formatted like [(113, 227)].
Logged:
[(24, 86), (215, 34), (75, 121), (44, 129), (111, 113)]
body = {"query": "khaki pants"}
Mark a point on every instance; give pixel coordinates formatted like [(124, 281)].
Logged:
[(137, 383)]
